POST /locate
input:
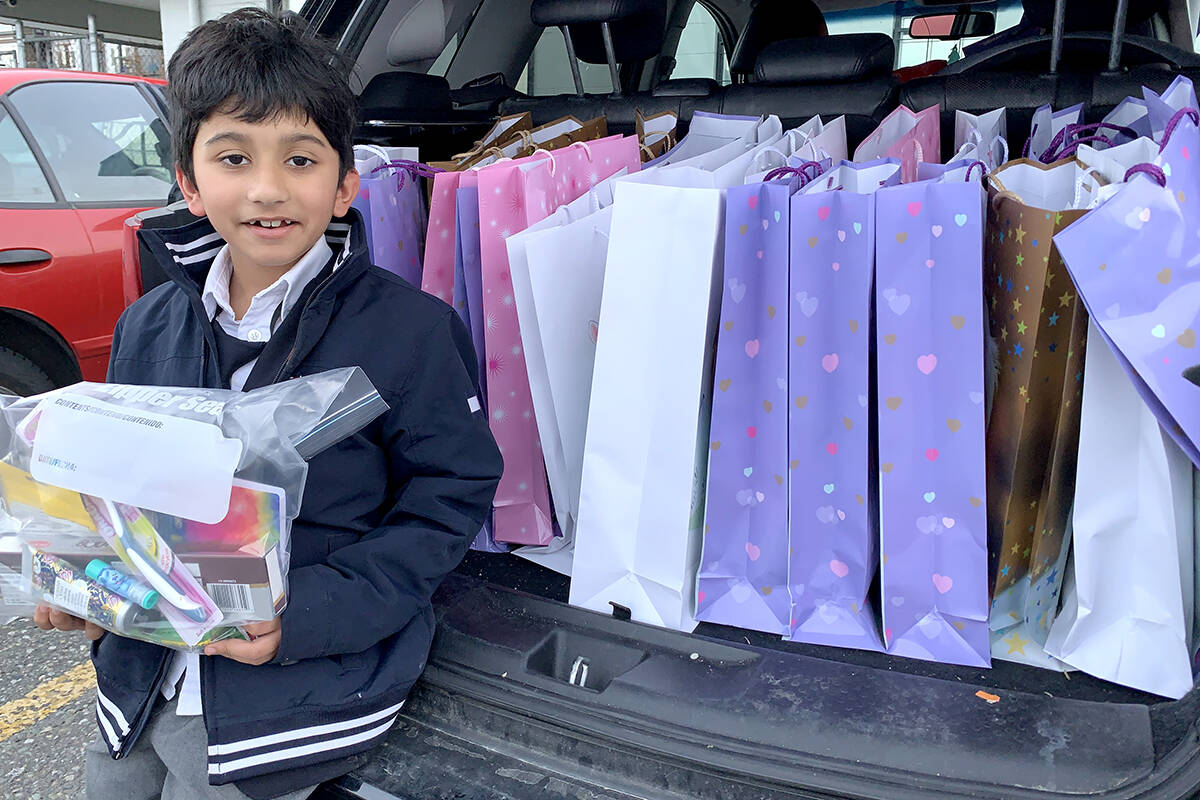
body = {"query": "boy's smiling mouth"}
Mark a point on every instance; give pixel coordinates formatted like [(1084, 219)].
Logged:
[(273, 222), (271, 227)]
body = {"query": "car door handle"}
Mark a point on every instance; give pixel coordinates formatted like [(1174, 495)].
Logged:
[(19, 258)]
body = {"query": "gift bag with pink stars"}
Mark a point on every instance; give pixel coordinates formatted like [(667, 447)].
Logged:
[(512, 196)]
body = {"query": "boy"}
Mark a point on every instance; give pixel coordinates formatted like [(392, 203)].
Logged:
[(275, 282)]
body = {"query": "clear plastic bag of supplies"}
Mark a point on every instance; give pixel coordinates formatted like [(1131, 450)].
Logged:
[(163, 513)]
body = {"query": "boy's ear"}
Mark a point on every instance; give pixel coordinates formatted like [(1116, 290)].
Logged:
[(346, 192), (190, 193)]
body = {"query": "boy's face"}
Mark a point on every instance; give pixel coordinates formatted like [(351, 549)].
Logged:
[(269, 188)]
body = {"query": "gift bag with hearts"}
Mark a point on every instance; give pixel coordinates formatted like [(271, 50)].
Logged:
[(1134, 260), (743, 568), (930, 341), (1039, 326), (392, 203), (831, 484), (1160, 108)]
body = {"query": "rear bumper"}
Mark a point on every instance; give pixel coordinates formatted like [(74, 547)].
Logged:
[(689, 717)]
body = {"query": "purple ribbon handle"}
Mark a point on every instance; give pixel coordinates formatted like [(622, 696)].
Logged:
[(1069, 138), (971, 168), (1073, 147), (1154, 172), (801, 171), (404, 167), (1190, 113)]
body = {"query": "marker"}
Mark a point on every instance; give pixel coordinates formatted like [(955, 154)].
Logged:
[(125, 585)]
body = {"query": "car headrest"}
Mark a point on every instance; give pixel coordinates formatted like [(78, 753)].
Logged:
[(826, 59), (638, 26), (388, 92), (1090, 15), (419, 35), (773, 21)]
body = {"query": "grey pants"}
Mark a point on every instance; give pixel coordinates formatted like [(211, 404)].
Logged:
[(168, 762)]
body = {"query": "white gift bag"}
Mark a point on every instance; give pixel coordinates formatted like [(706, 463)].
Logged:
[(564, 482), (641, 504), (981, 138), (563, 273), (1113, 162), (767, 132), (815, 140), (1046, 125), (708, 132), (1128, 619)]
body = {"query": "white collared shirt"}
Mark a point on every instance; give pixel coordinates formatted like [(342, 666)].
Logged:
[(254, 326)]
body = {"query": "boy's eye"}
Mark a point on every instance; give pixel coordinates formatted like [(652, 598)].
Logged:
[(234, 159), (300, 161)]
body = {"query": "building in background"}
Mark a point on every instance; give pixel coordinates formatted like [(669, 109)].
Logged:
[(133, 37)]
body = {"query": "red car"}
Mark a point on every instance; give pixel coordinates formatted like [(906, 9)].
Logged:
[(79, 154)]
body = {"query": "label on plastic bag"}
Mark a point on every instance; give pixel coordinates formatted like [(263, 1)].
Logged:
[(154, 461)]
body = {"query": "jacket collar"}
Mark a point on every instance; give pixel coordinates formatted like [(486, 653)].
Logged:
[(187, 252)]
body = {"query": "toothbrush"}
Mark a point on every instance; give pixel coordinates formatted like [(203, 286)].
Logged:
[(158, 573)]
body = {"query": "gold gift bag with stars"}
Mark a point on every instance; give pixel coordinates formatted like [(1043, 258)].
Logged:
[(1039, 326)]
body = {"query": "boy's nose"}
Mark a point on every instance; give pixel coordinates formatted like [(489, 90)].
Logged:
[(268, 186)]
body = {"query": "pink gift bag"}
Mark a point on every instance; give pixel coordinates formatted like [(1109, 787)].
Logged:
[(512, 196), (438, 276), (912, 137)]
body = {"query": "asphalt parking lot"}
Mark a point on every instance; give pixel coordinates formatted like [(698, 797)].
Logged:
[(47, 712)]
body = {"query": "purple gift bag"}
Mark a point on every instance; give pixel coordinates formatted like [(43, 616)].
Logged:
[(742, 578), (391, 199), (1134, 260), (833, 556), (930, 344), (468, 302)]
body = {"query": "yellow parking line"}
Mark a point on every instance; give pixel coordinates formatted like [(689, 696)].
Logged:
[(45, 699)]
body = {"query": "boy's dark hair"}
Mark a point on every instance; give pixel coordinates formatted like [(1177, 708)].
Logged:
[(257, 65)]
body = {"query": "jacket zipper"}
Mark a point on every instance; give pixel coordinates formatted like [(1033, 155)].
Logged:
[(303, 312)]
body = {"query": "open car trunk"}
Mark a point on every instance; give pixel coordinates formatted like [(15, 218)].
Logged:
[(507, 709), (525, 696)]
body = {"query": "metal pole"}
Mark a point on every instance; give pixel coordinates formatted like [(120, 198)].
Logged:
[(1057, 34), (19, 30), (1118, 36), (611, 55), (573, 61), (93, 44)]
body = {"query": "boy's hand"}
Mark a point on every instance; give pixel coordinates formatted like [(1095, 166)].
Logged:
[(261, 649), (49, 619)]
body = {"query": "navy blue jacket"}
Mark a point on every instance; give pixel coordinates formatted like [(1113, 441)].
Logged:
[(387, 513)]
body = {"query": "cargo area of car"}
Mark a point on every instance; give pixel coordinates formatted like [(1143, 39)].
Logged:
[(521, 683), (520, 678)]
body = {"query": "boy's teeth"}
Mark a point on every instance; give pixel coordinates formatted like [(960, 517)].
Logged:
[(270, 223)]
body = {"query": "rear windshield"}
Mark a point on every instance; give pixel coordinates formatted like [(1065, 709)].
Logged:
[(896, 20)]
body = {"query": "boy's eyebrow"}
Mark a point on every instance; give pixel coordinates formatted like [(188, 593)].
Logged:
[(230, 136), (297, 138), (241, 138)]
